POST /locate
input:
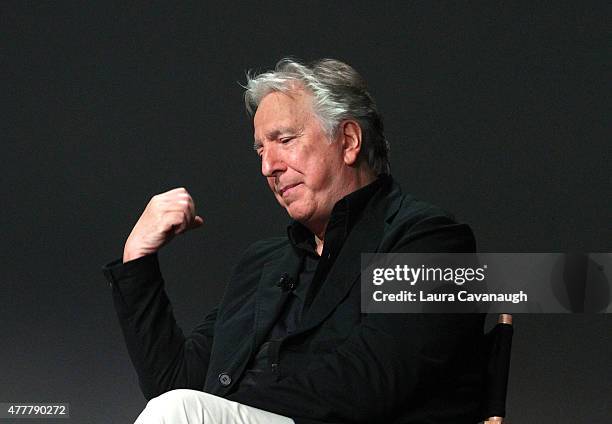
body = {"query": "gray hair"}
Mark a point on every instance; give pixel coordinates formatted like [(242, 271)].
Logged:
[(339, 93)]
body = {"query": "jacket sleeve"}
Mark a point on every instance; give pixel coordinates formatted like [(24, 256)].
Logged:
[(163, 357), (387, 359)]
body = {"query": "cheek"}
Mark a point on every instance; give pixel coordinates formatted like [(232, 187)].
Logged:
[(325, 169)]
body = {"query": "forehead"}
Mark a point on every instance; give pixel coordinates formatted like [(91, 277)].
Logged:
[(279, 110)]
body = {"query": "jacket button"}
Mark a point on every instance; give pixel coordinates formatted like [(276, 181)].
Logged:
[(225, 379)]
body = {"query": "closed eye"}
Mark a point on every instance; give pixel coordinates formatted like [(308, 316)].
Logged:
[(258, 148)]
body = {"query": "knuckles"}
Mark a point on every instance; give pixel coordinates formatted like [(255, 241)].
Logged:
[(166, 214), (174, 208)]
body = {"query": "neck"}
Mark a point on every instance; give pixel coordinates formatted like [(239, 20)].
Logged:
[(319, 247)]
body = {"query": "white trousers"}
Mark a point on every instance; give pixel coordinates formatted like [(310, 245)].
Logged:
[(183, 406)]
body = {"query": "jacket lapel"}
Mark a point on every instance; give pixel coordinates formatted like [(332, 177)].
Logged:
[(270, 298), (364, 237)]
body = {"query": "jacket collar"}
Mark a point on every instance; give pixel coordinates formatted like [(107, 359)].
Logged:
[(345, 213), (364, 237)]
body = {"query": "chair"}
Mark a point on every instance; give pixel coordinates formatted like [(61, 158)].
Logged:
[(499, 343)]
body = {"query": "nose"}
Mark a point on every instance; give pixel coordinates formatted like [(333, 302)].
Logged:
[(271, 162)]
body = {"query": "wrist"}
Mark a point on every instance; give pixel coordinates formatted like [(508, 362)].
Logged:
[(130, 256), (131, 253)]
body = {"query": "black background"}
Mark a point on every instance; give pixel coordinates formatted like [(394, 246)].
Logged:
[(495, 111)]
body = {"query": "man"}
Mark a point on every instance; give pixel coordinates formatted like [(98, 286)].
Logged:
[(288, 342)]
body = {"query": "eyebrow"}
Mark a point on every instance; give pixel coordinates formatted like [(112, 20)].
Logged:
[(273, 135)]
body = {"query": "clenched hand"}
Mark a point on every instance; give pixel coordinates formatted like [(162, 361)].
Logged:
[(166, 215)]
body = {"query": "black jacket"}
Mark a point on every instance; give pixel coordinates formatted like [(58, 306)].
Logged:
[(341, 366)]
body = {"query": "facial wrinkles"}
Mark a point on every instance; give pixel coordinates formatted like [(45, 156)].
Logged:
[(308, 159)]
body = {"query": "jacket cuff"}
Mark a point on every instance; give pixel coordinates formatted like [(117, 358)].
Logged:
[(134, 272)]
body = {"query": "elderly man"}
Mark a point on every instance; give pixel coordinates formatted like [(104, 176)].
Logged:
[(288, 342)]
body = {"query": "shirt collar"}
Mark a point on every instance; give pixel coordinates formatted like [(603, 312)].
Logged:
[(346, 212)]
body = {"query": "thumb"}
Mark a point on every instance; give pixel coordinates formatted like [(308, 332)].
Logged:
[(197, 221)]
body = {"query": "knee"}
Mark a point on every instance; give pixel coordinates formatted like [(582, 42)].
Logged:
[(175, 396), (179, 405)]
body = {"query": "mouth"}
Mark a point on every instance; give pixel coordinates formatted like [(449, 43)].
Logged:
[(286, 189)]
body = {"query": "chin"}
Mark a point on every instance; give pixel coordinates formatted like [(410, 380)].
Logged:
[(298, 213)]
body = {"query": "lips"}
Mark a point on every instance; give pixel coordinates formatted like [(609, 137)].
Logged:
[(284, 189)]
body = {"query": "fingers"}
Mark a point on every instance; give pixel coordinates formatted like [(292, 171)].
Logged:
[(196, 222), (173, 222), (180, 196), (180, 209), (166, 215)]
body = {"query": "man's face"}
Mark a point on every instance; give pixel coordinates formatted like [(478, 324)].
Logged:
[(304, 171)]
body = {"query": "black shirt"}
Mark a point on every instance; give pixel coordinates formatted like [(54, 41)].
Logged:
[(313, 272)]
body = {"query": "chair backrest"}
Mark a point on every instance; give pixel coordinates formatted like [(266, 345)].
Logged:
[(499, 345)]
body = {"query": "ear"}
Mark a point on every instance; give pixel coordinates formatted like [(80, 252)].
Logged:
[(350, 135)]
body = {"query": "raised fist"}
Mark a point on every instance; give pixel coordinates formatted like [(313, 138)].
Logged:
[(166, 215)]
